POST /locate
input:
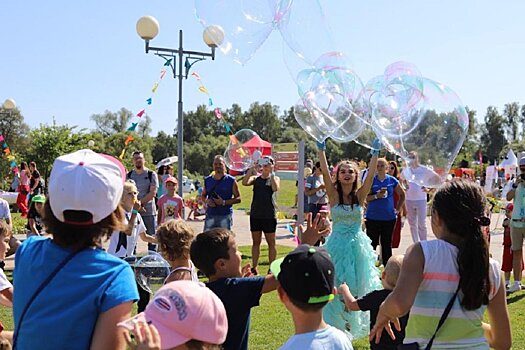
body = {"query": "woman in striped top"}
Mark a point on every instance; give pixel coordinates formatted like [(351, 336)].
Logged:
[(433, 270)]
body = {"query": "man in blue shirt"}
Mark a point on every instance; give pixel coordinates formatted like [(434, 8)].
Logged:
[(220, 192)]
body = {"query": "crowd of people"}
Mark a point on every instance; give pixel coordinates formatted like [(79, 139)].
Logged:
[(71, 293)]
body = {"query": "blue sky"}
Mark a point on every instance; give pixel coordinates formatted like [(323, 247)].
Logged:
[(71, 59)]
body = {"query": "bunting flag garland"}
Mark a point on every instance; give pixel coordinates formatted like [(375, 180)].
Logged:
[(141, 113), (8, 155), (217, 111)]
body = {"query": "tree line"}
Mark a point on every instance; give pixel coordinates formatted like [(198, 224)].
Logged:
[(205, 136)]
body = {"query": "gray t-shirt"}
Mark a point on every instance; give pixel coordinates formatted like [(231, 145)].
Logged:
[(329, 338), (144, 182), (5, 213), (318, 197)]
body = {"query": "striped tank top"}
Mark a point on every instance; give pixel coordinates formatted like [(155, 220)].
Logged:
[(462, 328)]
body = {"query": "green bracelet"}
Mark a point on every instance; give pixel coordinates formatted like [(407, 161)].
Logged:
[(134, 211)]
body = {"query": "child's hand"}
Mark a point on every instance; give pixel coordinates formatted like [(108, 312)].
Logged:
[(136, 205), (246, 271), (146, 337), (313, 231), (343, 289)]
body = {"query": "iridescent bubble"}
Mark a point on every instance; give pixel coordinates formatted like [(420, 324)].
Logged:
[(246, 23), (441, 127), (333, 95), (237, 156), (392, 97), (306, 31), (308, 120), (151, 271)]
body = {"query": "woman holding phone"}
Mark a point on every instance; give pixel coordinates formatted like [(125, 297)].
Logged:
[(381, 214), (263, 210)]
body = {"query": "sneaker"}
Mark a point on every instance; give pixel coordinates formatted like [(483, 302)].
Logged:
[(515, 287)]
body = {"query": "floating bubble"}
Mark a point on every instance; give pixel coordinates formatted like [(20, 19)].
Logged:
[(151, 271), (306, 32), (333, 95), (393, 97), (237, 156), (310, 120), (246, 23), (441, 127)]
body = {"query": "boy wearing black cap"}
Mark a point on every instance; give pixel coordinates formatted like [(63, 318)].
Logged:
[(306, 284)]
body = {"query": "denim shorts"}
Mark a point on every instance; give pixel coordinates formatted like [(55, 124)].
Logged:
[(212, 221)]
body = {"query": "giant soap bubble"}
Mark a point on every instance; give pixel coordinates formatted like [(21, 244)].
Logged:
[(441, 125), (393, 97), (332, 94), (238, 156), (151, 271), (246, 23)]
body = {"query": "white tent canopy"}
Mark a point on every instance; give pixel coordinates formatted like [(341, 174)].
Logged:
[(510, 160), (510, 164)]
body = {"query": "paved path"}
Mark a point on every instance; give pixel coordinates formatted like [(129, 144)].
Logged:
[(241, 228)]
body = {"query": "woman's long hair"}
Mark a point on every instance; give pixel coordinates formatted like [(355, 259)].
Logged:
[(339, 188), (460, 205), (396, 169)]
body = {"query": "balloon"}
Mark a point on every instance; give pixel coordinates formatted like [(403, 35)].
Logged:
[(246, 23), (237, 156), (441, 125), (151, 271)]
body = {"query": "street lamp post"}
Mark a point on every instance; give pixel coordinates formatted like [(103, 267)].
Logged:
[(9, 105), (148, 28)]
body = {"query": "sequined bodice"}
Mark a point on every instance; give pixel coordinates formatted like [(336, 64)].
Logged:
[(346, 220)]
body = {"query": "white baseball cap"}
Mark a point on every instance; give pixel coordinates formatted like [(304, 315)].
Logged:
[(85, 181), (522, 161)]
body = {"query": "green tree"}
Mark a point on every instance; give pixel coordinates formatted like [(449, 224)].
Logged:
[(493, 134), (163, 146), (51, 141), (512, 118), (199, 123), (112, 122), (522, 121), (14, 129)]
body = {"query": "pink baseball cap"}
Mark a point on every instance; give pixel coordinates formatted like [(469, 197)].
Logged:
[(85, 181), (171, 179), (182, 311)]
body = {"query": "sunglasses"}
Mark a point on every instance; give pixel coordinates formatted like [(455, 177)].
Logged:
[(392, 168)]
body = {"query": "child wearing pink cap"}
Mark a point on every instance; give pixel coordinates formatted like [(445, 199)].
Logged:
[(182, 315), (171, 204)]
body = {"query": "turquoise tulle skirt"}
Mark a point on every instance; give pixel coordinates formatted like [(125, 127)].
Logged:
[(354, 260)]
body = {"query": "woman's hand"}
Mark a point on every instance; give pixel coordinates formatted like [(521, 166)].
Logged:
[(383, 323)]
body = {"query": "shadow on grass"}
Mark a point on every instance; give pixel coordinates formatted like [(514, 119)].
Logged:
[(515, 298)]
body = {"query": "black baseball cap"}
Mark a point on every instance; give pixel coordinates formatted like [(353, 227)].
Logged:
[(306, 274)]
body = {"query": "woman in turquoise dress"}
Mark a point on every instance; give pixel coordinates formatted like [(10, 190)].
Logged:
[(349, 247)]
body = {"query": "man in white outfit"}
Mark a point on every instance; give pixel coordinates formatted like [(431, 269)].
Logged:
[(415, 198)]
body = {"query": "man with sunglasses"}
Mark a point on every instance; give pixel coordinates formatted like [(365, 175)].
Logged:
[(517, 225)]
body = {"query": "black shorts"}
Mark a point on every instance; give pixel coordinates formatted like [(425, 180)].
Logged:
[(264, 225)]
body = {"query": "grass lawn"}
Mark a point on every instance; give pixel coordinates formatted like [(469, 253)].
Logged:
[(271, 324)]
